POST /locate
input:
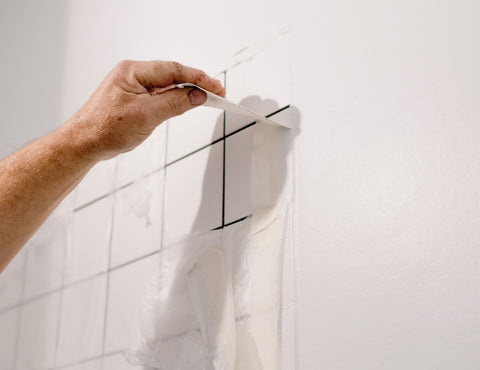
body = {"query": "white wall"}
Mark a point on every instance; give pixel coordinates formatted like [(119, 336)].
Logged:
[(389, 184), (31, 66), (387, 168)]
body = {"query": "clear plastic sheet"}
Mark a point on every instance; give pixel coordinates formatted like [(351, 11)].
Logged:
[(199, 293), (214, 301)]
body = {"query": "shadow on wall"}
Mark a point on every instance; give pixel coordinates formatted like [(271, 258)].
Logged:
[(256, 175), (268, 175)]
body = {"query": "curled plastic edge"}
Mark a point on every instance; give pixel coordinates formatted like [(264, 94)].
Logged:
[(215, 101)]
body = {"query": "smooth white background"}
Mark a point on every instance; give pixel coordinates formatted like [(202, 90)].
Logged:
[(387, 161)]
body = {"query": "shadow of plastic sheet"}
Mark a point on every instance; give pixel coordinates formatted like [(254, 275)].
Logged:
[(257, 157), (199, 308)]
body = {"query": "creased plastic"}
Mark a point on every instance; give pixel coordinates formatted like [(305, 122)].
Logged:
[(214, 301)]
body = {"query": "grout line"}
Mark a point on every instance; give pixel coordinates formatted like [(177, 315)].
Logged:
[(232, 223), (67, 239), (253, 123), (164, 186), (224, 153), (167, 164), (11, 307), (89, 203), (194, 152), (20, 311), (278, 111), (77, 282), (110, 268), (110, 245), (134, 260), (87, 360), (225, 137)]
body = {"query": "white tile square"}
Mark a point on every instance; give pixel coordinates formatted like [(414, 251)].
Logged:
[(137, 228), (11, 280), (8, 337), (46, 252), (38, 333), (238, 158), (147, 157), (127, 289), (88, 253), (45, 266), (261, 84), (82, 321), (193, 130), (194, 187), (100, 180)]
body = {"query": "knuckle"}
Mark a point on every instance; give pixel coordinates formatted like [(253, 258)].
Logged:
[(129, 71), (201, 77), (125, 65), (124, 70), (178, 70), (176, 66)]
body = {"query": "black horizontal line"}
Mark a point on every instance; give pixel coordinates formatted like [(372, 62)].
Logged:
[(226, 136), (232, 223), (76, 282), (278, 111), (194, 152), (178, 159)]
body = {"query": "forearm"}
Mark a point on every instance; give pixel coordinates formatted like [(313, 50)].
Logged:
[(127, 106), (34, 181)]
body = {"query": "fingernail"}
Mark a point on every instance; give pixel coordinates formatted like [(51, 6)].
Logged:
[(197, 97)]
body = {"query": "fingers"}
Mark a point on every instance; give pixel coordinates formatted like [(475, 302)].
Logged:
[(177, 101), (158, 74)]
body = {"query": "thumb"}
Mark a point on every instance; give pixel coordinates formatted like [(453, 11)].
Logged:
[(177, 101)]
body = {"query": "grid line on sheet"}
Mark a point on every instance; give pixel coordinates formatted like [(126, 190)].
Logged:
[(224, 152), (85, 360), (74, 283), (20, 313), (109, 253), (109, 269), (67, 239), (232, 223), (164, 185), (168, 164)]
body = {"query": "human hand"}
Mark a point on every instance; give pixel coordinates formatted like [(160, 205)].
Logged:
[(131, 101)]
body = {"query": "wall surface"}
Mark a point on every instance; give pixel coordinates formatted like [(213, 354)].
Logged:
[(389, 184), (386, 259), (32, 50)]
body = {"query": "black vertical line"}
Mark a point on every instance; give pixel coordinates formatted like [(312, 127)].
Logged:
[(110, 244), (224, 153)]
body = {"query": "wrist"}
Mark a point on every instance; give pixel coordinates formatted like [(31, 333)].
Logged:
[(75, 141)]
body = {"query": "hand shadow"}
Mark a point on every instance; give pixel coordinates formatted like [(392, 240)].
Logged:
[(267, 175)]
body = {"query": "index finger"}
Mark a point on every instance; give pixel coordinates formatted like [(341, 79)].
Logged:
[(159, 74)]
